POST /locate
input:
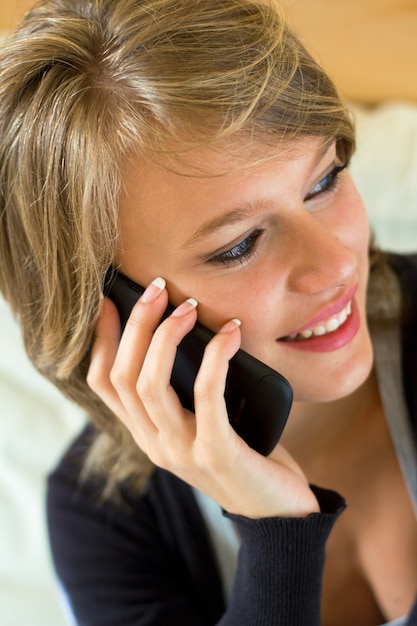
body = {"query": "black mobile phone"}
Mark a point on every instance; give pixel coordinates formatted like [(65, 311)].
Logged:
[(258, 399)]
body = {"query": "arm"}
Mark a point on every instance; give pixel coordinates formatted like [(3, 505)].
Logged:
[(130, 564), (133, 378), (270, 498), (112, 560), (281, 561)]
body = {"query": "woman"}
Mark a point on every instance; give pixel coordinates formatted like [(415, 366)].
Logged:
[(197, 148)]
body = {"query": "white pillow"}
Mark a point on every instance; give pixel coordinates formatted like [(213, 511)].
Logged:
[(385, 171), (36, 423)]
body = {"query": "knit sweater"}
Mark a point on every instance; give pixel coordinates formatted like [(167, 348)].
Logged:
[(148, 560)]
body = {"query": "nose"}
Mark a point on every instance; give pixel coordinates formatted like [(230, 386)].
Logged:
[(322, 261)]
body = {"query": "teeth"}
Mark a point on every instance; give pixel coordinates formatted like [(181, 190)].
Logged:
[(323, 328), (333, 324)]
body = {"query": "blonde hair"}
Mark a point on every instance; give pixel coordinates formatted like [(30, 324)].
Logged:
[(82, 85)]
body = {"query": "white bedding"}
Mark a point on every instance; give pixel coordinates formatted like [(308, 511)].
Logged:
[(36, 423), (385, 171)]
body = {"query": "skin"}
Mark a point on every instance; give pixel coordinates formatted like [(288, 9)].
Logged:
[(309, 260)]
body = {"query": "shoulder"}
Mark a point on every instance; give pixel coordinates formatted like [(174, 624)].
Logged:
[(145, 548), (68, 488), (163, 515), (405, 268)]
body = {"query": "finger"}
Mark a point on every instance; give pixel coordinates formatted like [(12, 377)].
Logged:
[(114, 363), (154, 382), (211, 412), (137, 336), (103, 354)]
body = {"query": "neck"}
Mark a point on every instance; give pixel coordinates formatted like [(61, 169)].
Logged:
[(315, 429)]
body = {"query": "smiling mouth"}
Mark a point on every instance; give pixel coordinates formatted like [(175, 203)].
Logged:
[(330, 325)]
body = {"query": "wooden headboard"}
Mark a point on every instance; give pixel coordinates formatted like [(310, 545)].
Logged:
[(11, 12), (369, 47)]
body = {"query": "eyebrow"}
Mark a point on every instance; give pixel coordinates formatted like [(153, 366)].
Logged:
[(227, 219), (246, 210)]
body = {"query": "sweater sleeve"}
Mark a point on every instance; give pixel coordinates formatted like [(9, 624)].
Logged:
[(146, 561), (280, 569)]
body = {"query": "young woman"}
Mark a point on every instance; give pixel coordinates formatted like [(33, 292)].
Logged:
[(197, 148)]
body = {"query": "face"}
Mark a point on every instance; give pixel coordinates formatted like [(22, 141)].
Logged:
[(281, 245)]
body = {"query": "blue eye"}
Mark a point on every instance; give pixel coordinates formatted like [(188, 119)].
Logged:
[(327, 183), (241, 252)]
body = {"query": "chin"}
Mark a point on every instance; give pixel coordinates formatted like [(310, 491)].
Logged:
[(336, 383)]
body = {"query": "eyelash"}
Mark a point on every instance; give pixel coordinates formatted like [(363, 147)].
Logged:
[(241, 252), (328, 183), (245, 249)]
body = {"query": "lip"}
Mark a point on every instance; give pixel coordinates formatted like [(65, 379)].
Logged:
[(329, 311), (333, 340)]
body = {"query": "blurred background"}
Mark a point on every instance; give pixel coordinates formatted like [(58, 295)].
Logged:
[(369, 47)]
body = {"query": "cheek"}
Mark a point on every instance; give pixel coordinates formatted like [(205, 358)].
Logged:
[(252, 295), (353, 224), (357, 238)]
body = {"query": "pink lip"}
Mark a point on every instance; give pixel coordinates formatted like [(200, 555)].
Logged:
[(329, 311), (331, 341)]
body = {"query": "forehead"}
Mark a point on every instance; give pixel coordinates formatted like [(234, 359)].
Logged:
[(174, 194), (208, 168), (163, 206)]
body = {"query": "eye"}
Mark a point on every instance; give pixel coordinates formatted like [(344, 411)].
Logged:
[(327, 183), (241, 252)]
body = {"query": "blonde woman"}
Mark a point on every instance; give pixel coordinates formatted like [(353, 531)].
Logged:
[(196, 147)]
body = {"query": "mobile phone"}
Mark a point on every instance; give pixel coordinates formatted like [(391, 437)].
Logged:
[(258, 399)]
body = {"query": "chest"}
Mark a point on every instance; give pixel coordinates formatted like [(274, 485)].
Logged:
[(371, 560), (371, 565)]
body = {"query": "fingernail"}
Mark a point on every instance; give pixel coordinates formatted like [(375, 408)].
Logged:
[(185, 307), (153, 291), (231, 326)]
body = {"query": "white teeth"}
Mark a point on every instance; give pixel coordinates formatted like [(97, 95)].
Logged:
[(343, 317), (333, 324), (329, 326)]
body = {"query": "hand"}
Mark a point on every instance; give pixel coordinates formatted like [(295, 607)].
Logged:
[(133, 378)]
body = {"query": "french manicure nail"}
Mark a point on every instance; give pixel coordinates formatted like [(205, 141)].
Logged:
[(185, 307), (230, 326), (153, 291)]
